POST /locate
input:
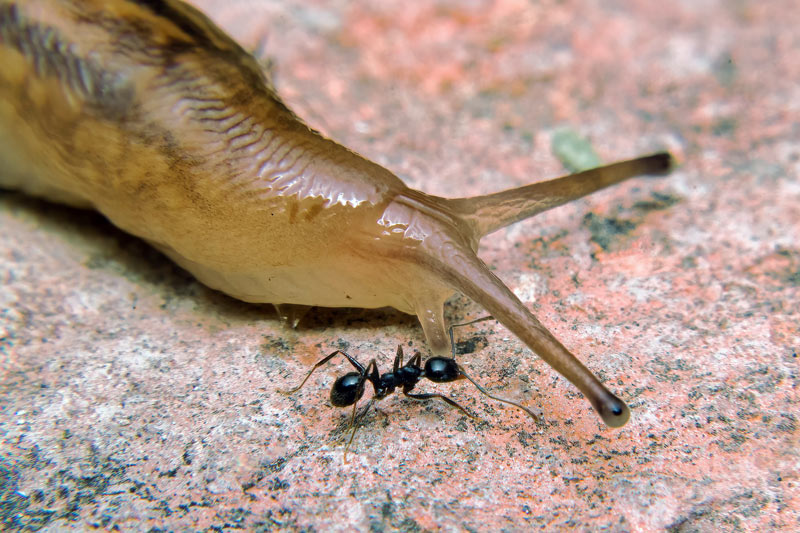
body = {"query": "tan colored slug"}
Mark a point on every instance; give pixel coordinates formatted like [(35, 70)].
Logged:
[(147, 112)]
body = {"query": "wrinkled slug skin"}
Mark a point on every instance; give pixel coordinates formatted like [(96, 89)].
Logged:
[(158, 120), (147, 112)]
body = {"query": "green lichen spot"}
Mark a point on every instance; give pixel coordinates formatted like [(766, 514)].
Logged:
[(574, 152)]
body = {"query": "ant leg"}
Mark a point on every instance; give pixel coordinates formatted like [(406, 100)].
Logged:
[(415, 360), (484, 391), (322, 361), (373, 375), (454, 326), (355, 426), (428, 395), (398, 359)]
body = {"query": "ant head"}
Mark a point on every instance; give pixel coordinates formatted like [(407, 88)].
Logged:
[(347, 390), (442, 370)]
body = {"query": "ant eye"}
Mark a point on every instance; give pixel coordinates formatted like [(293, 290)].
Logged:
[(347, 390), (441, 369)]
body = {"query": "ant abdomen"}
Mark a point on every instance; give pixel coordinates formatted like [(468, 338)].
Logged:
[(347, 389)]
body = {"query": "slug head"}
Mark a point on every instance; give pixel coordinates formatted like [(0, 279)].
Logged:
[(441, 237)]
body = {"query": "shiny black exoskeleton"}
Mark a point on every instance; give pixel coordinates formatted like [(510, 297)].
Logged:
[(348, 389)]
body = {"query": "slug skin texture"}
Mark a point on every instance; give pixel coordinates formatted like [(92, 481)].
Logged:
[(147, 112)]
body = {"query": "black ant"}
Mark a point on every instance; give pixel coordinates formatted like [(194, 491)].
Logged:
[(348, 389)]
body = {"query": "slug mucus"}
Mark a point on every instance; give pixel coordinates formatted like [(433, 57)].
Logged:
[(147, 112)]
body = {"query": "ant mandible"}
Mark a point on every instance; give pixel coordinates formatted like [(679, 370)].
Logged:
[(348, 389)]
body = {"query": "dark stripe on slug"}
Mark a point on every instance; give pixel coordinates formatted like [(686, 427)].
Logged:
[(50, 56), (188, 48), (191, 31), (169, 11)]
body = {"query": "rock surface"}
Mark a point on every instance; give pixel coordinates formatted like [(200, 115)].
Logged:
[(132, 397)]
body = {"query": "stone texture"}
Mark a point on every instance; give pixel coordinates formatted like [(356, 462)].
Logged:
[(133, 397)]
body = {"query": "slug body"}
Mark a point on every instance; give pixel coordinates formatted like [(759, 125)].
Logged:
[(145, 111)]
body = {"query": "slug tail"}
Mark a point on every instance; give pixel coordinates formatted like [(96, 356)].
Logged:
[(494, 211), (468, 274)]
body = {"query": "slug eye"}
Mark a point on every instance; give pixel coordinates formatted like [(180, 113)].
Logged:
[(612, 410), (442, 370), (347, 389)]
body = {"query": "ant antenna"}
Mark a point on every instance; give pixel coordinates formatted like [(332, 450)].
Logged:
[(477, 386), (454, 326), (481, 389)]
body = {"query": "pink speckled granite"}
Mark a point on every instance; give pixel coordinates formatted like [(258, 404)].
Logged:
[(132, 397)]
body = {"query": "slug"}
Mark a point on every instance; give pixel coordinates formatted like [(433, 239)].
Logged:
[(147, 112)]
